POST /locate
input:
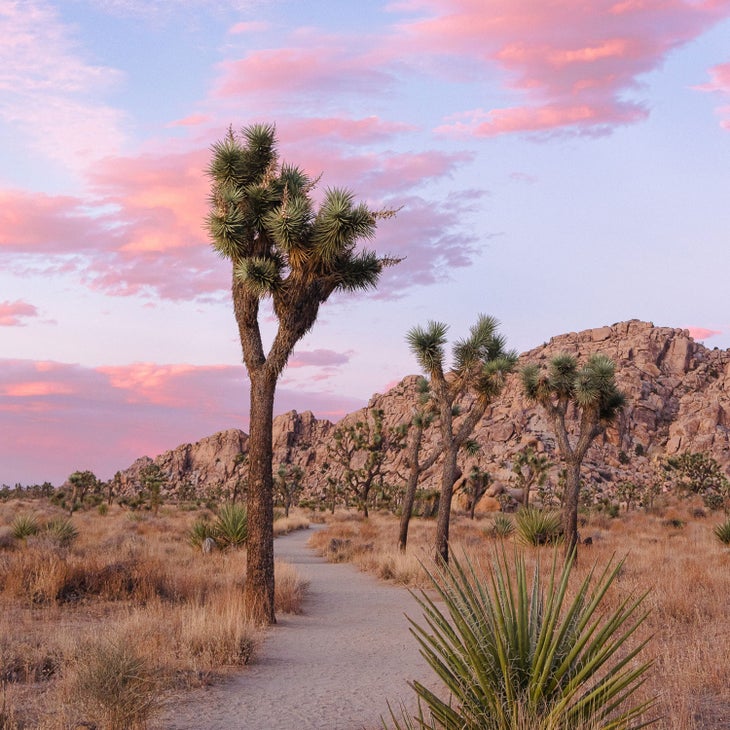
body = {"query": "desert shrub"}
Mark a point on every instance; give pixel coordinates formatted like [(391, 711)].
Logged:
[(722, 532), (103, 509), (516, 652), (230, 528), (115, 685), (25, 526), (7, 541), (201, 530), (675, 523), (61, 531), (539, 527), (502, 526), (290, 588)]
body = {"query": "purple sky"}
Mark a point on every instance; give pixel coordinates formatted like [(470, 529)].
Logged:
[(559, 165)]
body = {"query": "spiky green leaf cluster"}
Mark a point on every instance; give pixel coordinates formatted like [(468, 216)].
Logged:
[(591, 387), (427, 344), (261, 211), (514, 652)]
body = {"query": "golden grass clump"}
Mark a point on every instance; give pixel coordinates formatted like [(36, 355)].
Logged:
[(97, 629)]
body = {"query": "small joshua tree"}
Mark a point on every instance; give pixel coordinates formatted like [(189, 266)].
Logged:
[(592, 394), (480, 363)]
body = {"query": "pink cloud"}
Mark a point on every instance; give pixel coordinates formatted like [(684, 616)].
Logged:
[(311, 72), (318, 358), (249, 27), (13, 314), (571, 64), (720, 83), (142, 231), (352, 131), (193, 120), (702, 333), (103, 418)]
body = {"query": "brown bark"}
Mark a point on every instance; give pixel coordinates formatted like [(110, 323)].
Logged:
[(259, 586)]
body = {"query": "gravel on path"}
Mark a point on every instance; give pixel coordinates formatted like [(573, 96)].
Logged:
[(335, 667)]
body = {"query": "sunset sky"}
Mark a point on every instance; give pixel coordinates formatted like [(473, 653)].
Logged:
[(559, 164)]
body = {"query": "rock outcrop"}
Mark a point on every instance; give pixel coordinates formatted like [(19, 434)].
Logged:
[(678, 399)]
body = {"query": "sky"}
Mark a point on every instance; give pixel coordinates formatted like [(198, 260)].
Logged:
[(558, 164)]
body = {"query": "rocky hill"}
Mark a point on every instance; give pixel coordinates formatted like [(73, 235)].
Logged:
[(678, 399)]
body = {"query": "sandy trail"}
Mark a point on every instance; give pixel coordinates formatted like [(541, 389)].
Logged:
[(333, 668)]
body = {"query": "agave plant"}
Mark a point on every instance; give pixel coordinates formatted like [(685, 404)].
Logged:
[(515, 653), (199, 532), (230, 528), (722, 532), (539, 527)]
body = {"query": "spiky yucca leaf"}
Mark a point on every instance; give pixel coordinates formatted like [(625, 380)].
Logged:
[(722, 532), (260, 274), (539, 527), (24, 526), (427, 344), (516, 653), (230, 528), (339, 224), (359, 272)]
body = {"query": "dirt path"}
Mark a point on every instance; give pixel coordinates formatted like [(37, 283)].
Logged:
[(332, 668)]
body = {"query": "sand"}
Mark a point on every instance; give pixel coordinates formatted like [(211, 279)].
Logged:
[(334, 667)]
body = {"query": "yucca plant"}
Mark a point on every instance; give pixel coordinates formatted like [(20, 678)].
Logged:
[(539, 527), (230, 528), (502, 526), (722, 532), (25, 526), (61, 530), (200, 530), (516, 653)]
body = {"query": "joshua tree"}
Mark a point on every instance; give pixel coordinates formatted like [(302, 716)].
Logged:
[(596, 401), (82, 482), (153, 480), (529, 468), (288, 484), (263, 220), (360, 450), (423, 415), (480, 363), (475, 486)]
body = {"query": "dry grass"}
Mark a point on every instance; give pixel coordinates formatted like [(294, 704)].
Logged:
[(686, 569), (128, 595)]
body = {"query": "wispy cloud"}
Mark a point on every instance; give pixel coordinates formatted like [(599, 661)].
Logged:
[(570, 66), (15, 314), (702, 333), (720, 84), (49, 92)]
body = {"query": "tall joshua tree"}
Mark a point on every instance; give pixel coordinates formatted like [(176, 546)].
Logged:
[(588, 394), (480, 363), (264, 221)]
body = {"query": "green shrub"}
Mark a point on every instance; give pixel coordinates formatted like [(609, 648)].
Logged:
[(230, 528), (103, 509), (722, 532), (25, 526), (539, 527), (199, 532), (515, 653), (61, 531), (502, 526), (116, 686)]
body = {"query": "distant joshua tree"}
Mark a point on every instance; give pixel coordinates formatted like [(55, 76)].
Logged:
[(592, 394), (480, 363)]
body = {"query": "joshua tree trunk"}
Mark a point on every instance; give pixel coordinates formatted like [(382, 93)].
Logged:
[(570, 505), (259, 586), (448, 477)]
